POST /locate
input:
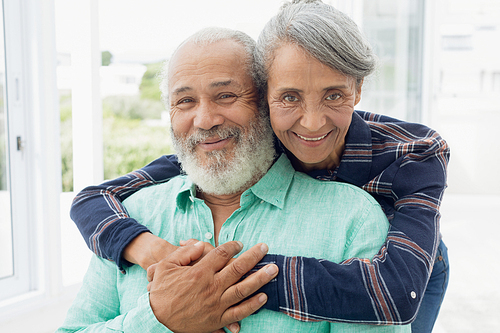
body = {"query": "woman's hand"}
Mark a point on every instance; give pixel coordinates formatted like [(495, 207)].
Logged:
[(147, 249), (207, 248)]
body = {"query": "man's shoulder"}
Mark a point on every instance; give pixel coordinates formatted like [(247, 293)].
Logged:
[(158, 192)]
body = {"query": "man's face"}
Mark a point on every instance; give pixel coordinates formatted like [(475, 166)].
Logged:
[(222, 141), (209, 88)]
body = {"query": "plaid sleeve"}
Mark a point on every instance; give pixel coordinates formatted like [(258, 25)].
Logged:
[(100, 216), (388, 289)]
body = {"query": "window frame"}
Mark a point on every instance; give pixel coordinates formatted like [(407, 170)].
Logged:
[(21, 280), (40, 301)]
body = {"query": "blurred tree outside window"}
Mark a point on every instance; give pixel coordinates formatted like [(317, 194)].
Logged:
[(135, 126), (106, 58)]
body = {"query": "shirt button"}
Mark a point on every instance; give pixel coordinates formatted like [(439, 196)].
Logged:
[(413, 295), (208, 235)]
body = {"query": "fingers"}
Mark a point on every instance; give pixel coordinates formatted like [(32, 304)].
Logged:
[(151, 272), (216, 259), (244, 309), (250, 285), (190, 241), (208, 247), (243, 264), (184, 255), (234, 327)]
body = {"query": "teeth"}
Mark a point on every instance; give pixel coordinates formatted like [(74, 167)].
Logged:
[(312, 139)]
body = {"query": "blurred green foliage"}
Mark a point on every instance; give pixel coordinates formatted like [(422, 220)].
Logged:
[(3, 155), (66, 142), (133, 134), (129, 145), (3, 144), (106, 58), (150, 84)]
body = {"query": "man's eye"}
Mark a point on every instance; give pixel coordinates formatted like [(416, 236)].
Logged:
[(333, 97), (290, 98), (185, 100), (223, 96)]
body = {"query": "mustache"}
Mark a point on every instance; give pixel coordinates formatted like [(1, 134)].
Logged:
[(222, 132)]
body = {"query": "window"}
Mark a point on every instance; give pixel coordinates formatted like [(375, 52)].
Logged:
[(6, 262), (395, 30), (14, 246)]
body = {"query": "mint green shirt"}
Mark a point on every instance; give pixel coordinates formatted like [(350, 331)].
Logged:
[(293, 213)]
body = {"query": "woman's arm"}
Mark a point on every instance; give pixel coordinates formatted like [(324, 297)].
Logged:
[(105, 224), (389, 289)]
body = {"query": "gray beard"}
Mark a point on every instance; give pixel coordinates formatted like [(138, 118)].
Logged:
[(228, 172)]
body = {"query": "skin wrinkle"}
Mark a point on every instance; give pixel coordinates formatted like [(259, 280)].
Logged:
[(310, 99), (216, 115)]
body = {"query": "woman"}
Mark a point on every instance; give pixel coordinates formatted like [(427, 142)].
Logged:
[(314, 60)]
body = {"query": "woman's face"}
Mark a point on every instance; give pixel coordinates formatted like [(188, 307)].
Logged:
[(311, 107)]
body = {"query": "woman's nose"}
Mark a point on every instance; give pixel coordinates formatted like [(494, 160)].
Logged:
[(313, 121)]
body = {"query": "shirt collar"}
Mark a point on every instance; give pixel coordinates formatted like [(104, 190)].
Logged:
[(273, 187), (186, 194)]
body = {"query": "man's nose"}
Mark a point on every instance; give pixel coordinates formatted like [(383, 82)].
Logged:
[(312, 120), (207, 115)]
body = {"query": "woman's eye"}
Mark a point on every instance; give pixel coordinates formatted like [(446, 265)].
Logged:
[(290, 98), (333, 97)]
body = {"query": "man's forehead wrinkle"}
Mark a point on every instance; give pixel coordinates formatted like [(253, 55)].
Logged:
[(225, 83)]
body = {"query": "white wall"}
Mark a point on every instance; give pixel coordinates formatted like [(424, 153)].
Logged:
[(465, 101)]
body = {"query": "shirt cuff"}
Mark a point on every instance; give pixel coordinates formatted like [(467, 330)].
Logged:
[(271, 288), (117, 237)]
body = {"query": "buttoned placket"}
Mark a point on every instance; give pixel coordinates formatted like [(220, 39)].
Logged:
[(230, 226), (204, 219)]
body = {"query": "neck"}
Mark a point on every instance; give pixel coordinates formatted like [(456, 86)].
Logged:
[(330, 163), (222, 206)]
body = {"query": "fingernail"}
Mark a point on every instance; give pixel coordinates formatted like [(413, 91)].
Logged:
[(199, 243), (264, 248), (233, 327), (263, 298), (271, 269), (240, 244)]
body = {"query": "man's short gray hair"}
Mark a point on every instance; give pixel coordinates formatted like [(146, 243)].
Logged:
[(213, 35), (326, 33)]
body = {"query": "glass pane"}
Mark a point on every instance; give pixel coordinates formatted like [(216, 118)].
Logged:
[(395, 30), (6, 264)]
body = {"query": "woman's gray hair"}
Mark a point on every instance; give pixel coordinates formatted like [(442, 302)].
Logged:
[(326, 33), (213, 35)]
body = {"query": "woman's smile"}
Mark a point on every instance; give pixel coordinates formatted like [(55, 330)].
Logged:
[(310, 106)]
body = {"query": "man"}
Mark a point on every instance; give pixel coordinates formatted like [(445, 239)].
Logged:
[(236, 190)]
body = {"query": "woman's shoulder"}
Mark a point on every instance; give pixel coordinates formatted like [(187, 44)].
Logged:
[(331, 189)]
